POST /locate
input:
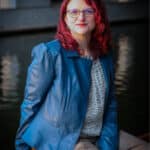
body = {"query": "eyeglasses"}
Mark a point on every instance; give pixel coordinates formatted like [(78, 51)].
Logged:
[(74, 13)]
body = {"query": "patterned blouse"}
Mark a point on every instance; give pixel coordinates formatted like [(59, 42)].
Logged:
[(94, 116)]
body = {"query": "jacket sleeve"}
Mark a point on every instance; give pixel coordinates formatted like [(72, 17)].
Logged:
[(39, 77), (109, 135)]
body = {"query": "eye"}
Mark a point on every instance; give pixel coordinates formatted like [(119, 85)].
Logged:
[(89, 11), (73, 11)]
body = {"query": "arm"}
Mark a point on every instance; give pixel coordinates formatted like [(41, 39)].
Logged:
[(109, 136), (39, 77)]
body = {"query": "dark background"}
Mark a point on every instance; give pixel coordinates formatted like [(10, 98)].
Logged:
[(28, 24)]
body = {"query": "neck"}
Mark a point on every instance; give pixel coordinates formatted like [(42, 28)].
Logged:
[(83, 41)]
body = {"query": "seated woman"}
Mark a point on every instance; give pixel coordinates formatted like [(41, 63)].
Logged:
[(69, 101)]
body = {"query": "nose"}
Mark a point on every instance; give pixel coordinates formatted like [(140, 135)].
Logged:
[(81, 16)]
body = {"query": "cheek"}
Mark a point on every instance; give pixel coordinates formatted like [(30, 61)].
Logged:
[(68, 22), (93, 23), (71, 21)]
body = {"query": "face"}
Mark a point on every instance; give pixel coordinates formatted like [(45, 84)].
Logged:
[(80, 17)]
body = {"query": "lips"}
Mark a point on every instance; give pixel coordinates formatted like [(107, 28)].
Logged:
[(81, 24)]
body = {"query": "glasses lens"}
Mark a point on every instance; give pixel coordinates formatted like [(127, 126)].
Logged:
[(88, 11), (73, 12)]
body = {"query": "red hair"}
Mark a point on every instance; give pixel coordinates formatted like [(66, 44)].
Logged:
[(101, 36)]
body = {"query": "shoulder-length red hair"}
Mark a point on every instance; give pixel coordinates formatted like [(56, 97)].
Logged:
[(101, 36)]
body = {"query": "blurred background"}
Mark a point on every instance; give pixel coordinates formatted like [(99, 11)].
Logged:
[(24, 24)]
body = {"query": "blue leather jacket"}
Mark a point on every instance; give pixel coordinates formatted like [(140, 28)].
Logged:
[(55, 100)]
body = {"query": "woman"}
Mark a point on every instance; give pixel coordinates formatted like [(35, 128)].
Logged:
[(69, 101)]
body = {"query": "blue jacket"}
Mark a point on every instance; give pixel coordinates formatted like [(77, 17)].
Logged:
[(55, 100)]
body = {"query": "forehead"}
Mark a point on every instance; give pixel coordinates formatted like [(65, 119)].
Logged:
[(77, 4)]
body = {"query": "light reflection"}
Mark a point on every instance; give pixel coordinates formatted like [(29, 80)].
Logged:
[(124, 62), (9, 78), (7, 4)]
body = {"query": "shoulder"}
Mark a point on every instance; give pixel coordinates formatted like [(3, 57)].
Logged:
[(51, 48)]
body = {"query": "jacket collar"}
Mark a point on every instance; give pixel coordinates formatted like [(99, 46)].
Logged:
[(71, 53)]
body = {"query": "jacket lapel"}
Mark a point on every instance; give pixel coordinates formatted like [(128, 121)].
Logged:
[(104, 62)]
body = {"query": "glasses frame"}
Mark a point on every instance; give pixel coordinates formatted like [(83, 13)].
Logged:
[(87, 12)]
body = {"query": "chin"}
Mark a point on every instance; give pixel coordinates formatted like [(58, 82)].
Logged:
[(82, 32)]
